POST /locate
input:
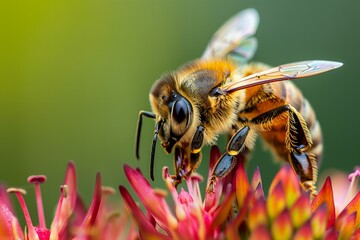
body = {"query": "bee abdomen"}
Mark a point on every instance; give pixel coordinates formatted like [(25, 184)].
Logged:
[(277, 135)]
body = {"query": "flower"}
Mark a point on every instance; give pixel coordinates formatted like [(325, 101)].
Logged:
[(238, 208), (70, 221), (192, 217)]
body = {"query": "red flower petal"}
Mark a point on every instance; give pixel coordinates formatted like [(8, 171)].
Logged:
[(43, 233), (356, 235), (325, 196), (8, 223), (331, 234), (152, 201), (68, 203), (260, 232), (214, 157), (212, 199), (304, 233), (256, 179), (90, 216), (259, 192), (4, 197), (71, 183), (354, 206), (147, 230)]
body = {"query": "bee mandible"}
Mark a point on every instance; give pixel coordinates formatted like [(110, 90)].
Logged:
[(221, 93)]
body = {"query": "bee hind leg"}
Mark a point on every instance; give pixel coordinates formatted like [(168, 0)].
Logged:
[(305, 166), (228, 160), (298, 142)]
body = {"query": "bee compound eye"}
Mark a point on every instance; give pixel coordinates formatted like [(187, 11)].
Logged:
[(180, 111), (180, 115)]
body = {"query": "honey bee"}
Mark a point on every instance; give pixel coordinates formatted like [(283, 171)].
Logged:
[(221, 93)]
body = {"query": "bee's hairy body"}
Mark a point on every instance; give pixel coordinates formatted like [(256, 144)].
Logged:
[(221, 93), (226, 113)]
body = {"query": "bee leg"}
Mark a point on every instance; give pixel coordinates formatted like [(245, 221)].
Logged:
[(138, 129), (198, 139), (303, 164), (195, 148), (228, 160), (185, 165), (298, 141)]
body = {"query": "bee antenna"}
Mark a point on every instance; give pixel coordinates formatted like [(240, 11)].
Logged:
[(138, 130), (153, 147)]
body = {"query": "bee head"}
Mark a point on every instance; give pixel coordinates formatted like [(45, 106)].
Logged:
[(172, 109)]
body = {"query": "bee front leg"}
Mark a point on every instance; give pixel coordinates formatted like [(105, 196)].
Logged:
[(228, 160), (185, 164), (195, 148)]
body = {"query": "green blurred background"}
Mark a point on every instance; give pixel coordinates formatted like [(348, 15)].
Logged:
[(74, 75)]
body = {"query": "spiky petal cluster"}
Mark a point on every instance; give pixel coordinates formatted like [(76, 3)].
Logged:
[(71, 221), (289, 213), (191, 217), (238, 208)]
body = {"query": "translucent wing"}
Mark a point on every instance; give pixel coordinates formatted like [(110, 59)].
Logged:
[(282, 72), (230, 36), (244, 51)]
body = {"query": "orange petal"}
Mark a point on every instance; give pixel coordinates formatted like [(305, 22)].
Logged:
[(242, 184), (290, 182), (301, 211), (347, 226), (232, 229), (319, 221), (222, 212), (276, 201), (325, 196), (281, 228), (257, 215)]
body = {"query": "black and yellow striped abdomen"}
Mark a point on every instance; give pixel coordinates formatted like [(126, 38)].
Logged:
[(262, 99)]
